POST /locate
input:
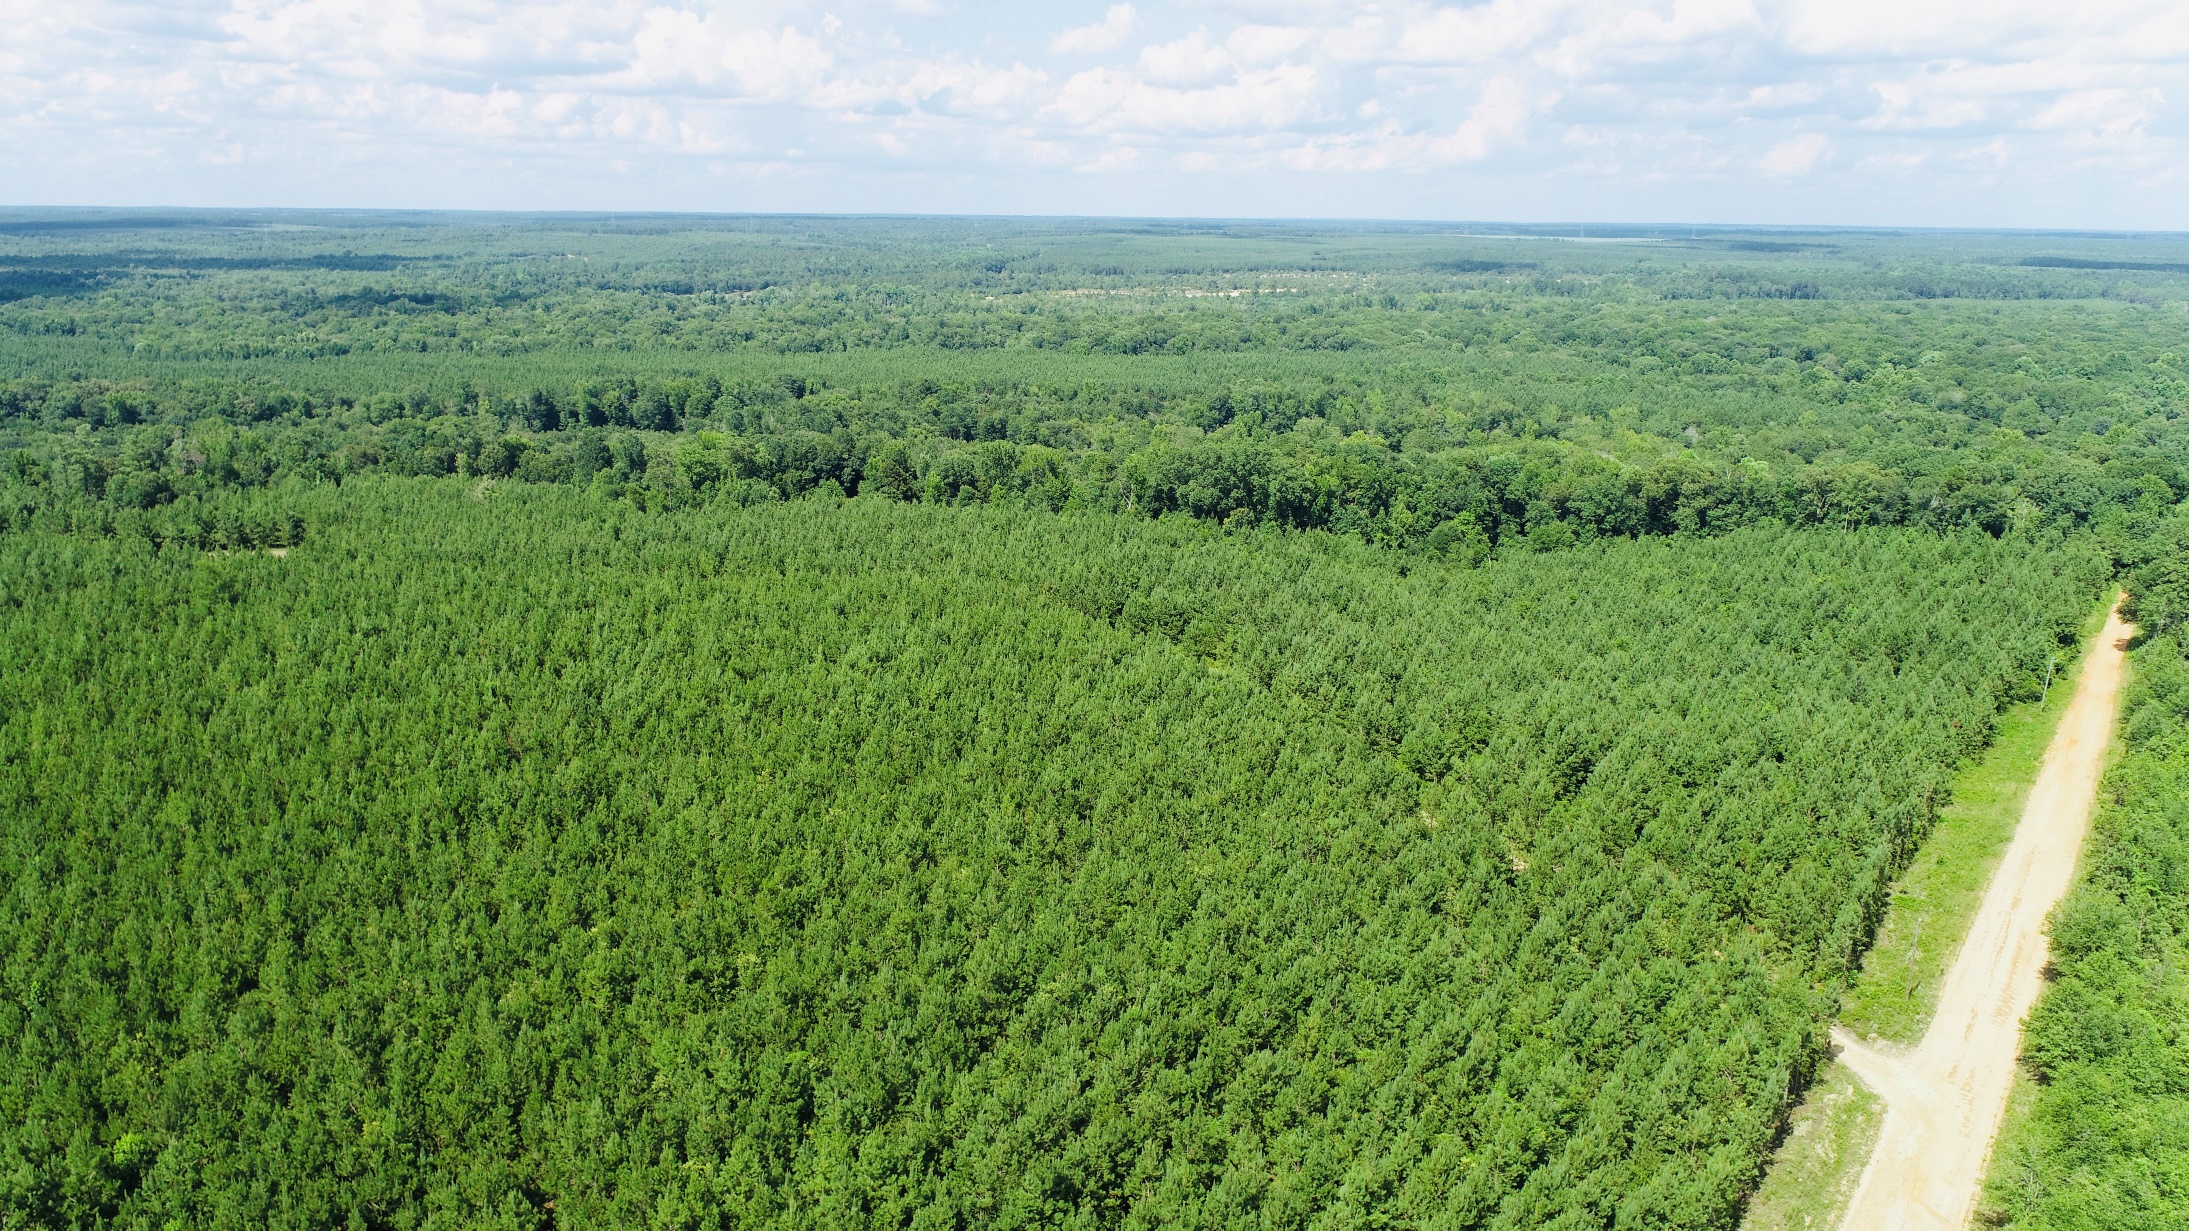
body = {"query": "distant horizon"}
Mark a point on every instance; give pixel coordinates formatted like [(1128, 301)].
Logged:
[(1521, 228)]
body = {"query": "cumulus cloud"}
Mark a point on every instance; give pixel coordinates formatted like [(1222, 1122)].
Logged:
[(1896, 29), (1116, 26), (1585, 94), (1795, 156), (1499, 117), (1104, 100)]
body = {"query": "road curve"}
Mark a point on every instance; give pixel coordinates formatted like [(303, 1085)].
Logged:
[(1944, 1100)]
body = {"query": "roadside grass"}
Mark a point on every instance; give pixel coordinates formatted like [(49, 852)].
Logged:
[(2012, 1154), (1938, 896), (1813, 1175)]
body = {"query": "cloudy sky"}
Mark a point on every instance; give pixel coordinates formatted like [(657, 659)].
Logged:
[(1927, 112)]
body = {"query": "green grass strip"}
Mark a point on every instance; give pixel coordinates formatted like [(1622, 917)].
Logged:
[(2017, 1163)]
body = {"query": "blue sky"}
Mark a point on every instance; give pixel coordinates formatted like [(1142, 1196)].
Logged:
[(1915, 112)]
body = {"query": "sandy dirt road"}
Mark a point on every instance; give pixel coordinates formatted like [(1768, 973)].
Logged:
[(1944, 1100)]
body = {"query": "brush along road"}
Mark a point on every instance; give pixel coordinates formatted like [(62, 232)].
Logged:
[(1944, 1100)]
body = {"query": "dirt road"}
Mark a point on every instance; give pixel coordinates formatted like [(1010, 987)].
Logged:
[(1944, 1100)]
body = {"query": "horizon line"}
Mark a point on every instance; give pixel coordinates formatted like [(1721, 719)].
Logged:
[(1511, 228)]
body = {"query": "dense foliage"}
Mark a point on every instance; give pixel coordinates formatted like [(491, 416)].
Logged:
[(507, 856), (704, 722), (2107, 1144)]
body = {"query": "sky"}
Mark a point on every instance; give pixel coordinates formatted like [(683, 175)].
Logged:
[(1847, 112)]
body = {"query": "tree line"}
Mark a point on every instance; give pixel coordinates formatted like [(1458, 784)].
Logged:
[(1396, 471)]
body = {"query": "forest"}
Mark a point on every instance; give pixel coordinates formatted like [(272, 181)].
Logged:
[(728, 722)]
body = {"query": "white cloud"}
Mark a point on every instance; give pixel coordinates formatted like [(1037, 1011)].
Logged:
[(2111, 115), (1106, 100), (1499, 117), (1993, 155), (1795, 156), (680, 51), (1119, 158), (1867, 29), (1893, 160), (1258, 46), (1116, 26), (1192, 60), (1502, 29), (1687, 98)]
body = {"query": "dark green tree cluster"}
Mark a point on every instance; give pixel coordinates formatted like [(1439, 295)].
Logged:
[(503, 856), (1390, 466)]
